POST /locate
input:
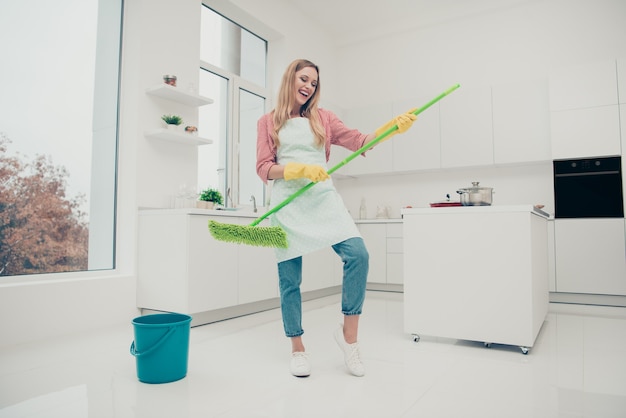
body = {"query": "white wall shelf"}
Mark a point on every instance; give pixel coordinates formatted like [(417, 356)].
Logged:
[(168, 92), (177, 137)]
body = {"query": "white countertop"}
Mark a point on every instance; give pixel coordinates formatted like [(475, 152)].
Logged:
[(244, 213), (405, 211), (195, 211), (475, 209), (378, 221)]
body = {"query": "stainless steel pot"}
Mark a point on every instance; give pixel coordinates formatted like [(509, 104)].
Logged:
[(476, 196)]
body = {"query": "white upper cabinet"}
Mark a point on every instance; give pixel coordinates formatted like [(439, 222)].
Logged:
[(521, 122), (466, 128), (419, 147), (377, 160), (583, 86), (585, 113), (581, 133), (621, 80)]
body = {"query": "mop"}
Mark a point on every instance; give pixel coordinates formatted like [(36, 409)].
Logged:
[(275, 236)]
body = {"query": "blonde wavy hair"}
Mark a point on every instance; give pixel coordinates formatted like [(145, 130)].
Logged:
[(286, 101)]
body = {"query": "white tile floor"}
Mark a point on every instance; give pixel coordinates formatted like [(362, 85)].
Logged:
[(239, 368)]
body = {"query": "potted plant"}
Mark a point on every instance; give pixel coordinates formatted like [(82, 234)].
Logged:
[(172, 121), (209, 198)]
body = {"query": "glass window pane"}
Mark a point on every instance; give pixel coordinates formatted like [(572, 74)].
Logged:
[(58, 135), (213, 124), (253, 58), (252, 107), (232, 48)]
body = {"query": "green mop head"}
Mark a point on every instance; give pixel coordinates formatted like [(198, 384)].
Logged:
[(260, 236)]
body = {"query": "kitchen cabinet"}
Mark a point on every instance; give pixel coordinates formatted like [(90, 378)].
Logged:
[(590, 256), (395, 254), (476, 273), (418, 148), (551, 257), (466, 128), (586, 85), (383, 238), (257, 272), (320, 270), (521, 122), (182, 268), (584, 111), (590, 132), (375, 237), (377, 161), (621, 80)]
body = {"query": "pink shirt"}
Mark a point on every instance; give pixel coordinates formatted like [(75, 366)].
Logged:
[(336, 134)]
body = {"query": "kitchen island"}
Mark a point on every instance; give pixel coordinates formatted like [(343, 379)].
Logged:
[(476, 273)]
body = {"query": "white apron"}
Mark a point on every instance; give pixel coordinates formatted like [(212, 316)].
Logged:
[(318, 218)]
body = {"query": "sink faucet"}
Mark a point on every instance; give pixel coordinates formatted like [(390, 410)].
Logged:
[(253, 200)]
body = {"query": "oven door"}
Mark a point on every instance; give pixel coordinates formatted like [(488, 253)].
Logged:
[(588, 188)]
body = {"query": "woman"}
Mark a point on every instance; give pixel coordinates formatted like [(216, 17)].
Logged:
[(293, 146)]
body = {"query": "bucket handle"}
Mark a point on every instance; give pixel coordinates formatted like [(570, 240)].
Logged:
[(135, 353)]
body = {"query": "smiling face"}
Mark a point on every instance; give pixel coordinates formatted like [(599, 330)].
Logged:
[(305, 85)]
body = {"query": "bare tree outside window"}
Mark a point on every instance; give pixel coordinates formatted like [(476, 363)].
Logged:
[(41, 229)]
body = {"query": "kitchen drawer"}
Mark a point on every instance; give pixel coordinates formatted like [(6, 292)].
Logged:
[(395, 269), (394, 230), (395, 245)]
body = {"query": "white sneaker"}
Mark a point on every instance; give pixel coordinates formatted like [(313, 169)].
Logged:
[(351, 354), (300, 366)]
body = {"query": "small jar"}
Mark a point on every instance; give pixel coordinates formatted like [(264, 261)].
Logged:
[(170, 79)]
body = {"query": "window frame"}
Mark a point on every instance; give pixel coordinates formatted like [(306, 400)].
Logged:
[(106, 111), (235, 83)]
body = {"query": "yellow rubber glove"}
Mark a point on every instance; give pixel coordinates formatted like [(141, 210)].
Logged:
[(404, 122), (315, 173)]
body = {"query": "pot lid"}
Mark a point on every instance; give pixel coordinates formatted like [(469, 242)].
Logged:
[(475, 188)]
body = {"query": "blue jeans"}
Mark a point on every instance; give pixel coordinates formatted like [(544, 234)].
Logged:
[(355, 267)]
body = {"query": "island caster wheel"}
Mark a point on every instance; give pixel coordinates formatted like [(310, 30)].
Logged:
[(488, 345), (524, 350), (416, 338)]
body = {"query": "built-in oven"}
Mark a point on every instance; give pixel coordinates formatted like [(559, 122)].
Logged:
[(588, 188)]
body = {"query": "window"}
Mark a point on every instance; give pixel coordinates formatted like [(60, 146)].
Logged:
[(58, 135), (233, 73)]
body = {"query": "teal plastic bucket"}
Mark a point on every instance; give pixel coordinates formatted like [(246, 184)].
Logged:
[(161, 347)]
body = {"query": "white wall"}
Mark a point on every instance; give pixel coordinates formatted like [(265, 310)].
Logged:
[(53, 307)]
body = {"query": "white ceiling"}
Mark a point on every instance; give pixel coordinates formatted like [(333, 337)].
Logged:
[(349, 21)]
